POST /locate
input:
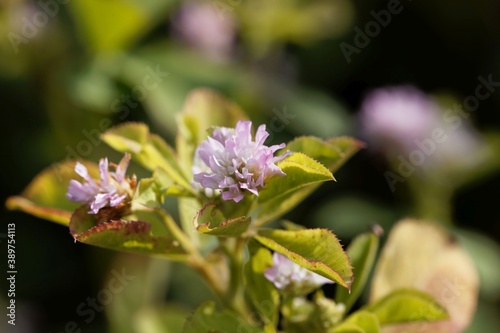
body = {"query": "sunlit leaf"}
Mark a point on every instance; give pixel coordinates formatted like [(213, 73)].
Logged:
[(362, 252), (205, 108), (130, 20), (148, 149), (127, 137), (333, 153), (315, 249), (273, 24), (300, 170), (269, 328), (364, 320), (347, 327), (264, 296), (405, 306), (289, 225), (147, 194), (202, 110)]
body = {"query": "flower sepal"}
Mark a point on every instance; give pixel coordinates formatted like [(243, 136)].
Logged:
[(210, 220)]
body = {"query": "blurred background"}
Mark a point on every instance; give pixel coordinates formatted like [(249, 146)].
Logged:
[(386, 72)]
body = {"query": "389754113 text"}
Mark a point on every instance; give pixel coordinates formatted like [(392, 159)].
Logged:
[(11, 273)]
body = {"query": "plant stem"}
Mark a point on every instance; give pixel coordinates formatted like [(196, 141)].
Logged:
[(234, 249), (205, 270), (433, 201)]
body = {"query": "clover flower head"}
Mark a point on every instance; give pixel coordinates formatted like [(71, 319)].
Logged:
[(293, 278), (109, 191), (399, 114), (200, 26), (401, 119), (235, 163)]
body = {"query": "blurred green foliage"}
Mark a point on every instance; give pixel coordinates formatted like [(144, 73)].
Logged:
[(71, 69)]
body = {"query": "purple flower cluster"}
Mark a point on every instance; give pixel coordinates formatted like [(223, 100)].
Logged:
[(402, 119), (397, 115), (236, 163), (200, 26), (110, 190), (290, 277)]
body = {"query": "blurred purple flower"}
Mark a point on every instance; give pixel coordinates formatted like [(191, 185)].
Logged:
[(290, 277), (203, 27), (397, 115), (110, 190), (235, 162), (403, 121)]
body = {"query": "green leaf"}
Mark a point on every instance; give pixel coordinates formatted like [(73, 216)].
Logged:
[(130, 236), (167, 186), (209, 220), (346, 327), (277, 207), (264, 296), (333, 153), (362, 252), (269, 328), (365, 320), (300, 170), (347, 147), (202, 110), (407, 305), (188, 208), (162, 224), (45, 196), (127, 137), (315, 249), (147, 194), (289, 225), (156, 218), (150, 192), (130, 20), (148, 149), (207, 320)]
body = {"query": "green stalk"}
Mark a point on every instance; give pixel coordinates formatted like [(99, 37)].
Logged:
[(234, 249)]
